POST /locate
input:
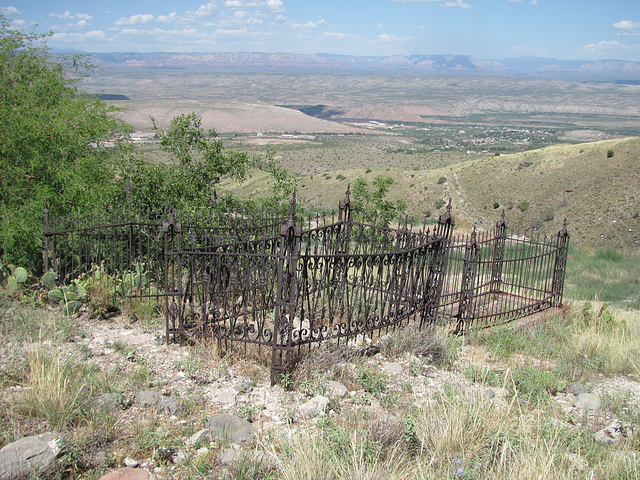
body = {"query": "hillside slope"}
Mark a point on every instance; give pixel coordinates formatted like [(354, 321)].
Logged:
[(598, 196)]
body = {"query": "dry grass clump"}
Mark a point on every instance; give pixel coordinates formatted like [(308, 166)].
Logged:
[(433, 343), (58, 390), (329, 360)]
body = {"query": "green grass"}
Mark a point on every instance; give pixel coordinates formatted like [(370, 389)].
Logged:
[(608, 275)]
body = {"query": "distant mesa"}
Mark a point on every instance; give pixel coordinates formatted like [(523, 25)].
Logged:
[(626, 72)]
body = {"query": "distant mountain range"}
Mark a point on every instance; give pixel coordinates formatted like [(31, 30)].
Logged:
[(602, 70)]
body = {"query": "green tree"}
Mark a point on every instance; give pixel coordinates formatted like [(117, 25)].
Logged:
[(373, 203), (201, 162), (56, 144)]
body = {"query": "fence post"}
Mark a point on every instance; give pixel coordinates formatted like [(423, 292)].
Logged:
[(469, 270), (562, 247), (345, 209), (286, 294), (437, 267), (446, 222), (172, 249), (498, 255), (45, 253)]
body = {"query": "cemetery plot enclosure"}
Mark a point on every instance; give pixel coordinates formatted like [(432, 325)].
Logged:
[(283, 283)]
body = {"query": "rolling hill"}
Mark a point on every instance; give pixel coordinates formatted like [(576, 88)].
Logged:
[(597, 193)]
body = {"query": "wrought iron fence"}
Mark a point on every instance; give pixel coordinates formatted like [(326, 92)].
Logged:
[(129, 246), (283, 283), (494, 277)]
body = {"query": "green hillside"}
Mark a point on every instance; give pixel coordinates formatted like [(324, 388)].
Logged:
[(598, 194)]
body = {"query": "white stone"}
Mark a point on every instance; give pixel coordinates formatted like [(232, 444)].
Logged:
[(316, 406)]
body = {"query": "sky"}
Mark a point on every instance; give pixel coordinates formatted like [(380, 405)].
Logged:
[(484, 29)]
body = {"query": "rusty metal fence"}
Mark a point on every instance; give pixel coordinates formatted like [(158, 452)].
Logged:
[(494, 277), (129, 246), (283, 283)]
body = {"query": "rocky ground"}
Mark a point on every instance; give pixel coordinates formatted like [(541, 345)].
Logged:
[(225, 410)]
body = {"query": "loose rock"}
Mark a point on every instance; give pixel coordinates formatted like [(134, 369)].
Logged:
[(29, 454), (588, 401), (229, 427), (314, 407), (128, 473)]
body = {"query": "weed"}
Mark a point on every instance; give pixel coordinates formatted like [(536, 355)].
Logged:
[(249, 412), (371, 381), (58, 389)]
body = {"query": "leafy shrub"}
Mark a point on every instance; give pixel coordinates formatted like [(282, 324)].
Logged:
[(524, 206), (496, 205), (610, 153), (441, 180), (439, 203)]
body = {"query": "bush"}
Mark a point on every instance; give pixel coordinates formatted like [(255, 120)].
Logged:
[(53, 142), (441, 180), (496, 205), (610, 153), (524, 206)]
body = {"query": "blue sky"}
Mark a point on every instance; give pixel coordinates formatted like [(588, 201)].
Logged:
[(485, 29)]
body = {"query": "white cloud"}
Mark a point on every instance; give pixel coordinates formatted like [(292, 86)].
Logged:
[(309, 24), (603, 47), (385, 37), (140, 19), (447, 4), (159, 32), (80, 37), (65, 16), (10, 11), (69, 16), (455, 4), (231, 32), (274, 4), (627, 28), (338, 35), (172, 17), (240, 13), (204, 10)]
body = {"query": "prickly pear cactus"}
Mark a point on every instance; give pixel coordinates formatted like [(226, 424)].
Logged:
[(72, 297), (20, 274), (49, 280), (81, 291), (12, 285), (55, 296), (73, 307)]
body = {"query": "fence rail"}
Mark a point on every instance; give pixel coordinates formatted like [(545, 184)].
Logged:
[(283, 283)]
